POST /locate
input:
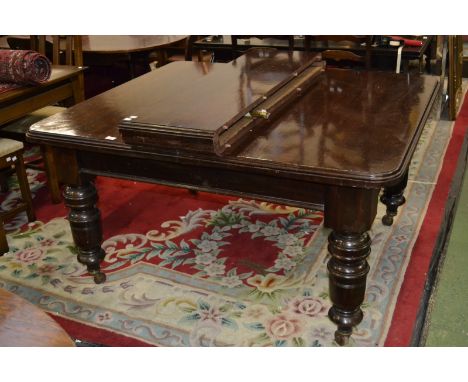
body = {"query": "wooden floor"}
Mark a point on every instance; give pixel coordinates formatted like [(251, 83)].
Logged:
[(24, 324)]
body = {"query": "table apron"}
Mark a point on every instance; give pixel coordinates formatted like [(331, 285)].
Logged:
[(269, 187)]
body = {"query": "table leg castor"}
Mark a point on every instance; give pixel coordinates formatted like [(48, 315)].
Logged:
[(99, 277), (387, 220), (393, 198), (85, 224)]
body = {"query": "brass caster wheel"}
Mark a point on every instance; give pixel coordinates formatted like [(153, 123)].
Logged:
[(387, 220), (342, 337), (99, 277)]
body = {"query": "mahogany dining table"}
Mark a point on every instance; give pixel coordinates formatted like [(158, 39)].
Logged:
[(347, 137)]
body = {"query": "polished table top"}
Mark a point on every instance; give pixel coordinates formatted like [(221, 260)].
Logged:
[(351, 128), (24, 324)]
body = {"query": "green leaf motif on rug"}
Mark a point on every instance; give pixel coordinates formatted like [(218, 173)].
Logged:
[(17, 272), (50, 259), (32, 276), (298, 341), (45, 279), (223, 219), (254, 326), (191, 318)]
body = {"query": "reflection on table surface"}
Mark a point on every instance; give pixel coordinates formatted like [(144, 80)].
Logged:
[(224, 41)]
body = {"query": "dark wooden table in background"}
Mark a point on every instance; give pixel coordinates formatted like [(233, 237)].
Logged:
[(24, 324), (99, 49), (62, 84), (114, 59), (115, 44), (347, 137)]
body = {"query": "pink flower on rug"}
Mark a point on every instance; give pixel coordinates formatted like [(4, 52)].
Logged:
[(282, 327), (46, 269), (255, 312), (47, 242), (211, 314), (29, 255), (309, 306)]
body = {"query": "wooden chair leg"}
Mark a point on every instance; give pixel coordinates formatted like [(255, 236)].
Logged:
[(24, 186), (4, 180), (51, 172), (3, 240)]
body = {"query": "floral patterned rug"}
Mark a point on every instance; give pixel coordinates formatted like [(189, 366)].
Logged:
[(209, 270)]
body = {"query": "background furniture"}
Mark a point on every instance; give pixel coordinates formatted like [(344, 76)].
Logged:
[(62, 50), (113, 60), (225, 47), (188, 53), (22, 107), (63, 85), (24, 324), (447, 63), (342, 57), (465, 56), (455, 75), (289, 39), (383, 57), (11, 155)]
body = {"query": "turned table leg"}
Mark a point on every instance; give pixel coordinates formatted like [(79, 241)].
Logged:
[(350, 213), (85, 223), (393, 198)]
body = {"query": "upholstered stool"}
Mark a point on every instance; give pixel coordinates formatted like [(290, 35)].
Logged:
[(11, 154), (17, 130)]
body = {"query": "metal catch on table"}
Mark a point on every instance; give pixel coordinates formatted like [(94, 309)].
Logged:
[(261, 113)]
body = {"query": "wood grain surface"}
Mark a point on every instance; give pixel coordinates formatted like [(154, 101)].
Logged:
[(24, 324)]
